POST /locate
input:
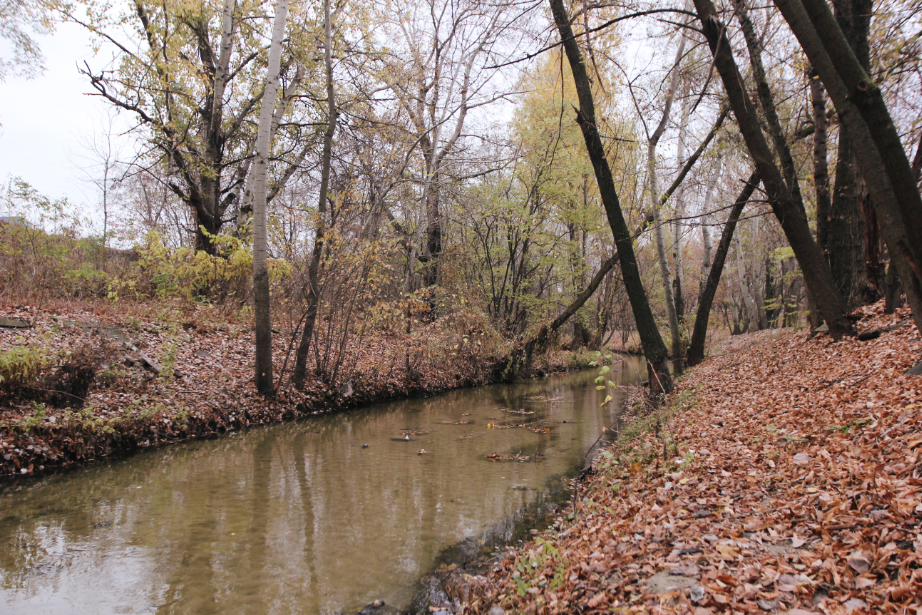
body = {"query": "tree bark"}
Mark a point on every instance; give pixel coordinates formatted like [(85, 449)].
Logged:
[(264, 382), (885, 167), (792, 217), (699, 335), (313, 269), (661, 256), (706, 232), (652, 343), (742, 280), (820, 164)]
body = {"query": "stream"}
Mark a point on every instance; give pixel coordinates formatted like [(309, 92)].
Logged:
[(299, 517)]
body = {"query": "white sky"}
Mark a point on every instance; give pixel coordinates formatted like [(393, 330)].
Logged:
[(43, 119)]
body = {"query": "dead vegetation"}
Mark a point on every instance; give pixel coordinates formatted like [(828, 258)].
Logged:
[(784, 475)]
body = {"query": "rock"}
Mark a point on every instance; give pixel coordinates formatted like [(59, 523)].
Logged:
[(855, 603), (372, 608), (663, 583), (914, 371), (696, 593), (364, 446), (202, 354), (497, 610), (14, 323), (684, 571)]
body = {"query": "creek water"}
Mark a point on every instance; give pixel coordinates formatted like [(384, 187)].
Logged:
[(298, 517)]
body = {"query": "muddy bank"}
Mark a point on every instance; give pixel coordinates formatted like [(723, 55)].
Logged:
[(120, 379)]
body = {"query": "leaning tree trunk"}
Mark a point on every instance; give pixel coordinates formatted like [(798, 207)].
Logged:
[(653, 347), (792, 217), (696, 348), (519, 360), (864, 115), (260, 169), (313, 268)]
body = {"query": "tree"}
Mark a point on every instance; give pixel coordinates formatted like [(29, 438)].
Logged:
[(439, 76), (864, 115), (709, 288), (263, 315), (653, 347), (652, 141), (20, 21), (193, 81), (787, 207), (313, 268)]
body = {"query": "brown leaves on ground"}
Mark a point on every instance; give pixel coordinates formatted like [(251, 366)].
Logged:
[(796, 485), (205, 386)]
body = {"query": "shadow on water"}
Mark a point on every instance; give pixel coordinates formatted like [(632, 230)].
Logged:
[(301, 517)]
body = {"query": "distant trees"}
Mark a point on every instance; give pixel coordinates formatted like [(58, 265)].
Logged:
[(404, 163)]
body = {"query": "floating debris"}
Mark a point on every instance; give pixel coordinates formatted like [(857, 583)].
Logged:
[(516, 457), (522, 411)]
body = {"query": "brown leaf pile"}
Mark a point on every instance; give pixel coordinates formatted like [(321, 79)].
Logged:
[(796, 486)]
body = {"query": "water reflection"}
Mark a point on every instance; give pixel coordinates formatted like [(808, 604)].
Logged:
[(295, 518)]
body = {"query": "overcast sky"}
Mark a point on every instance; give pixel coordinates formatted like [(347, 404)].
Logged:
[(45, 119)]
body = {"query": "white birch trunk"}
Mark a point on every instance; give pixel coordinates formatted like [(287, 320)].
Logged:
[(260, 171)]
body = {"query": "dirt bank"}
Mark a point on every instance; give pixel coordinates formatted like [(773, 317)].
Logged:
[(116, 378), (784, 475)]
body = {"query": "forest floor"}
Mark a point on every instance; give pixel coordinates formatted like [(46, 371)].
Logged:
[(116, 378), (783, 475)]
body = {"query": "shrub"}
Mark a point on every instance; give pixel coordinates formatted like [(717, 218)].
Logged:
[(21, 366)]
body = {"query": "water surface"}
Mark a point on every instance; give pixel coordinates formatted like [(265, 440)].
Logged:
[(299, 517)]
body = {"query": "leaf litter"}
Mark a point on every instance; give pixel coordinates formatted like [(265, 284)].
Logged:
[(791, 482)]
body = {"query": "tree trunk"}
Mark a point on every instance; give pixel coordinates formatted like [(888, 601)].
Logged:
[(521, 357), (789, 212), (696, 348), (653, 347), (752, 311), (706, 232), (662, 258), (865, 118), (313, 269), (820, 164), (264, 383)]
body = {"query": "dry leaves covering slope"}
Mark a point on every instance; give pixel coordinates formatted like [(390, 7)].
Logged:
[(797, 486), (206, 383)]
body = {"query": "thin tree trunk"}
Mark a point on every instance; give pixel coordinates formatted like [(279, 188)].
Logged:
[(706, 231), (696, 348), (264, 382), (652, 343), (653, 140), (789, 212), (742, 281), (820, 164), (313, 269), (521, 357)]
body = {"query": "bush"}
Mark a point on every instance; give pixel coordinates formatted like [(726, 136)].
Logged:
[(21, 366)]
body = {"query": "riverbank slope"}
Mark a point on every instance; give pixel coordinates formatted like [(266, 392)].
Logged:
[(101, 380), (783, 475)]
